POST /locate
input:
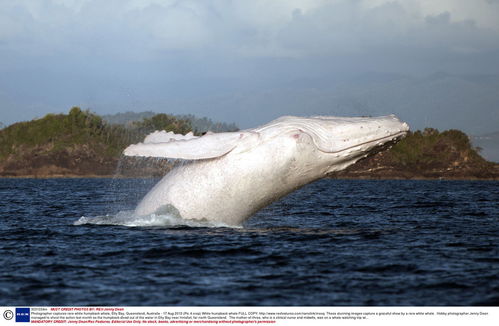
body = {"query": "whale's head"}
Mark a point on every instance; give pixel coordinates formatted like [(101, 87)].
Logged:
[(341, 141)]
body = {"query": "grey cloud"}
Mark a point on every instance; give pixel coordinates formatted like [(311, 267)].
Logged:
[(109, 28), (345, 28), (112, 55), (443, 18)]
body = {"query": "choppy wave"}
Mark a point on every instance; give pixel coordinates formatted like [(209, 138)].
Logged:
[(332, 243), (129, 218)]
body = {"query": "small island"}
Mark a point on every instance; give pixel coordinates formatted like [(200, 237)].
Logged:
[(427, 154), (83, 144)]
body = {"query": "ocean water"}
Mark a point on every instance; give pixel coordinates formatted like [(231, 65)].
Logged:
[(334, 242)]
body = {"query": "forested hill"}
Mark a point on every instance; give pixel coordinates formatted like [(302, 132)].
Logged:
[(81, 143), (427, 154)]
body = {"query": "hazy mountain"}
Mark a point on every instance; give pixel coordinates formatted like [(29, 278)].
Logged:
[(489, 144), (127, 118), (440, 100), (200, 125)]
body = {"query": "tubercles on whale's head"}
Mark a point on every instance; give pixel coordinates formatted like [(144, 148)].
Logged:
[(350, 139), (338, 134), (363, 133)]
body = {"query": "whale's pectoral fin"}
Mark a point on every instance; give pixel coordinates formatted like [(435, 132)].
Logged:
[(199, 148)]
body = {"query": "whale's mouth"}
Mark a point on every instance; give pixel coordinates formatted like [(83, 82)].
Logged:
[(379, 142)]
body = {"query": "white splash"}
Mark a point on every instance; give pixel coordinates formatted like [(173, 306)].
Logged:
[(130, 219)]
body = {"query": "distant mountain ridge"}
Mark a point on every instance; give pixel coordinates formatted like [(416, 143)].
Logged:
[(468, 102), (488, 144), (445, 101), (127, 118)]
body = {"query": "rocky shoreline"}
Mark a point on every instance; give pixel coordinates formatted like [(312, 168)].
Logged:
[(363, 170), (81, 161), (381, 166)]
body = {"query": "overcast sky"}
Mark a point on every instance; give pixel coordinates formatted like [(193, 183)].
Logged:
[(206, 56)]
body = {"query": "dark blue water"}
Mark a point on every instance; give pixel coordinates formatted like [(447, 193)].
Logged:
[(331, 243)]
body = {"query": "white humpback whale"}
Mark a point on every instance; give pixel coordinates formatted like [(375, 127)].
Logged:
[(230, 176)]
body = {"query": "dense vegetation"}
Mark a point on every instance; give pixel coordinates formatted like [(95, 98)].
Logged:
[(79, 142), (430, 148), (59, 131)]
